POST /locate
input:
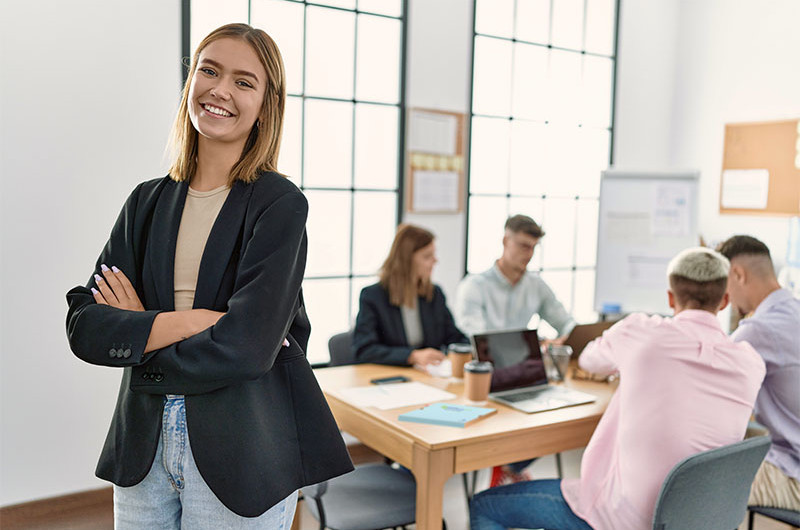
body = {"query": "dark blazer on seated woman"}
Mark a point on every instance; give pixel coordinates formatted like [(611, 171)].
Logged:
[(380, 337)]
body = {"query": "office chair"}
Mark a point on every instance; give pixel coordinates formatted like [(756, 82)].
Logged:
[(374, 496), (709, 490), (340, 348), (791, 517)]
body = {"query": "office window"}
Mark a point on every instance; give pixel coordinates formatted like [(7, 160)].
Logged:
[(342, 136), (541, 125)]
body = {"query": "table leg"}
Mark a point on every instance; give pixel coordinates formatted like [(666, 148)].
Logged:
[(431, 469)]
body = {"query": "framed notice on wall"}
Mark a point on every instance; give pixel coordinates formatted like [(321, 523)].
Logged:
[(761, 169), (435, 167)]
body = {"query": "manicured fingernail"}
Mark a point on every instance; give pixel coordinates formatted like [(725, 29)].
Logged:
[(114, 268), (104, 268), (95, 291), (98, 278)]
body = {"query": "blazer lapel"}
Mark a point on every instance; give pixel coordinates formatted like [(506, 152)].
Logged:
[(221, 244), (166, 221)]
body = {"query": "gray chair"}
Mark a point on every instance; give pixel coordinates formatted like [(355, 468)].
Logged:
[(791, 517), (340, 347), (709, 490), (374, 496)]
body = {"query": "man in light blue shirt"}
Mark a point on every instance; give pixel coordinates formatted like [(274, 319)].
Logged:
[(508, 295), (774, 331)]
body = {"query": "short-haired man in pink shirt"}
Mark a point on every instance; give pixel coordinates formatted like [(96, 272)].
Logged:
[(685, 387)]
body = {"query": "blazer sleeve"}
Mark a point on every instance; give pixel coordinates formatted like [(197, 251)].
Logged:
[(451, 332), (369, 342), (245, 342), (101, 334)]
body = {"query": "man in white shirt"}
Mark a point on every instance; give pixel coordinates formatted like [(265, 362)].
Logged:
[(507, 295)]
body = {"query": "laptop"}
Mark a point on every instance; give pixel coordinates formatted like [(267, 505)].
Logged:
[(519, 379), (583, 334)]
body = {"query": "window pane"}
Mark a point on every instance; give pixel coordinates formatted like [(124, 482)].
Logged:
[(586, 233), (584, 297), (489, 155), (561, 157), (564, 85), (328, 232), (491, 82), (561, 284), (530, 82), (327, 306), (487, 215), (292, 140), (595, 150), (600, 15), (375, 220), (330, 45), (528, 153), (393, 8), (328, 147), (495, 17), (533, 21), (283, 21), (378, 61), (347, 4), (567, 24), (376, 146), (557, 246), (208, 15), (357, 285), (596, 91), (533, 208)]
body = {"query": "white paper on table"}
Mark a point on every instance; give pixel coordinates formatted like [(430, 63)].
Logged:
[(671, 210), (435, 191), (745, 188), (395, 395), (431, 132)]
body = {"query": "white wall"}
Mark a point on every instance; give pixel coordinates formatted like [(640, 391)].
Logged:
[(438, 76), (736, 62), (89, 90)]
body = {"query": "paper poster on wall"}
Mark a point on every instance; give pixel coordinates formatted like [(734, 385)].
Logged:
[(628, 228), (647, 271), (435, 191), (671, 210), (745, 188), (434, 133)]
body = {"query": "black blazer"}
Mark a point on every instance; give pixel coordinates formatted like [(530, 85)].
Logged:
[(259, 424), (380, 337)]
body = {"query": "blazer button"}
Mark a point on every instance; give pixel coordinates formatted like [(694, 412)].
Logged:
[(112, 352), (145, 375), (159, 378), (126, 353)]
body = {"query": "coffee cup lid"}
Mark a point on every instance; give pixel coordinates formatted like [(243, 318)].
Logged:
[(478, 367), (460, 347)]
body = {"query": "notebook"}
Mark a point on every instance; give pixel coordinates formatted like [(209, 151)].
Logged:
[(450, 414), (519, 379)]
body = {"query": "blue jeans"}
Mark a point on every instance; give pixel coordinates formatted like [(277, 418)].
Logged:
[(532, 504), (173, 495)]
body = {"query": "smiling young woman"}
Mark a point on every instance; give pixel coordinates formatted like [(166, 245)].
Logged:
[(197, 297)]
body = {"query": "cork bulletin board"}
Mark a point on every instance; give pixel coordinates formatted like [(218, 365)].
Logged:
[(761, 169)]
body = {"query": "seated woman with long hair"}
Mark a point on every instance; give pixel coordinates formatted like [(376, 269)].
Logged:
[(403, 319)]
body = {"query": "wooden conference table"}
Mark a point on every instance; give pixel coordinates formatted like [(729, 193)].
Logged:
[(434, 453)]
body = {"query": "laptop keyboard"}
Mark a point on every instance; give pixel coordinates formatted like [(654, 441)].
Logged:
[(524, 396)]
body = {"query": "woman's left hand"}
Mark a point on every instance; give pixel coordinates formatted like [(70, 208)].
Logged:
[(116, 290)]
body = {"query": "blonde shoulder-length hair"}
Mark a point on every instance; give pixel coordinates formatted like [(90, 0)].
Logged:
[(397, 273), (263, 145)]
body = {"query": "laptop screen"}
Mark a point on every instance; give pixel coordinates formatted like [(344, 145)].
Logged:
[(515, 355)]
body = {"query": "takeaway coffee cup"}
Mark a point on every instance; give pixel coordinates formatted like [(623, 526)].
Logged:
[(459, 354), (477, 381)]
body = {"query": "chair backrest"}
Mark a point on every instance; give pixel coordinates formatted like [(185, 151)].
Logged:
[(709, 490), (341, 350)]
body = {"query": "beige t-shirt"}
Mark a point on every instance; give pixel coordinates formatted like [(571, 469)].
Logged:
[(199, 213)]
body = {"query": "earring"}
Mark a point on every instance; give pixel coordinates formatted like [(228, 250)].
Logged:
[(258, 122)]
